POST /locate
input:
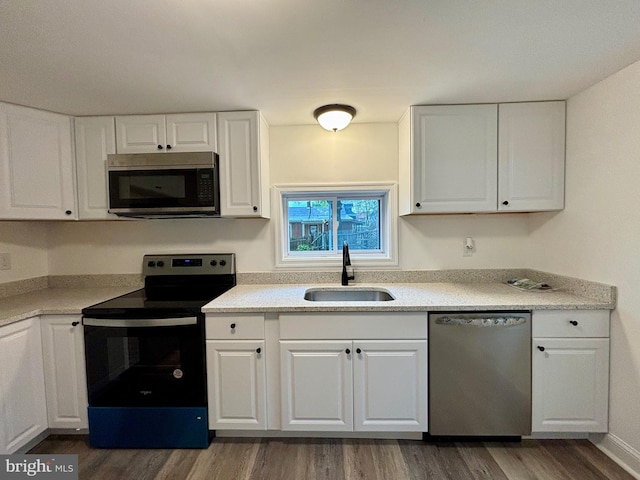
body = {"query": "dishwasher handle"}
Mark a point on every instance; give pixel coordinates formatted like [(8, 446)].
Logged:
[(481, 321)]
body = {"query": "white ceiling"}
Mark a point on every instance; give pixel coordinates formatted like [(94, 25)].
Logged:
[(287, 57)]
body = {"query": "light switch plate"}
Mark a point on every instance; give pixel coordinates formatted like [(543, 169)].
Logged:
[(468, 247)]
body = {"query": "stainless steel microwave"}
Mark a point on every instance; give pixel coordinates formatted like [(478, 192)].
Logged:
[(164, 185)]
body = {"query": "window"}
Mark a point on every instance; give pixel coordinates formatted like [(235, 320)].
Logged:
[(315, 222)]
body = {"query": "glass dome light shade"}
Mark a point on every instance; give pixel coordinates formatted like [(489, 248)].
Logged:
[(334, 117)]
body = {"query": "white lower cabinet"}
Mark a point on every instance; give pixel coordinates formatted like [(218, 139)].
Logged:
[(570, 371), (317, 385), (390, 386), (236, 384), (64, 369), (360, 385), (22, 406), (236, 372)]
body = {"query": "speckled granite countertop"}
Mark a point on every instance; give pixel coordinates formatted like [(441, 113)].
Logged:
[(54, 301), (408, 297), (284, 292)]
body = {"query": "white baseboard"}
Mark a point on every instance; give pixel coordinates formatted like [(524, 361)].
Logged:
[(619, 451), (296, 434)]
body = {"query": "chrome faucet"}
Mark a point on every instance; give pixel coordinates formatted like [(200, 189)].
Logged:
[(346, 261)]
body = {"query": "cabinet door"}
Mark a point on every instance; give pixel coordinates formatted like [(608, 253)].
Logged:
[(570, 381), (141, 134), (390, 386), (22, 395), (191, 132), (95, 139), (317, 385), (236, 385), (531, 156), (244, 149), (36, 165), (64, 368), (454, 158)]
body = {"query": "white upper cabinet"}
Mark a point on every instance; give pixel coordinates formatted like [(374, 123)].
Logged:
[(36, 165), (454, 151), (531, 156), (185, 132), (243, 140), (192, 132), (482, 158), (95, 139), (141, 134)]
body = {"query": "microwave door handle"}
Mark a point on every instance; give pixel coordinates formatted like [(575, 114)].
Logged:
[(139, 322)]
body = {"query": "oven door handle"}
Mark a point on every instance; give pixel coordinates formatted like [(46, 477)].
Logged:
[(139, 322)]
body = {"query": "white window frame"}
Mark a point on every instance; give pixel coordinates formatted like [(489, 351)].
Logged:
[(387, 256)]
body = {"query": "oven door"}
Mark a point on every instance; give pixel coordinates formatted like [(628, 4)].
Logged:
[(145, 362)]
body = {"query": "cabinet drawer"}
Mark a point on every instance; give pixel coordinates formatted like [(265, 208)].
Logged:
[(570, 323), (347, 326), (234, 327)]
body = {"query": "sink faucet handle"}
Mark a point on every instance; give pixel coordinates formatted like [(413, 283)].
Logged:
[(346, 258), (346, 261)]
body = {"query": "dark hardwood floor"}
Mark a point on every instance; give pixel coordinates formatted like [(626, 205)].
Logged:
[(332, 459)]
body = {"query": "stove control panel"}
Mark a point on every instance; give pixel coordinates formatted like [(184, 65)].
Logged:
[(190, 264)]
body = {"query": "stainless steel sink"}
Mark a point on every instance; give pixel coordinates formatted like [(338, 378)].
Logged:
[(348, 295)]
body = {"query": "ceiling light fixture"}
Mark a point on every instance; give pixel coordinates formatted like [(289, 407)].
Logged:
[(334, 117)]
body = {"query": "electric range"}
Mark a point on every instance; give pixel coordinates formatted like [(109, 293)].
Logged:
[(145, 355)]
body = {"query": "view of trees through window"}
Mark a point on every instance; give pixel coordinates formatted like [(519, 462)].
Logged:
[(311, 224)]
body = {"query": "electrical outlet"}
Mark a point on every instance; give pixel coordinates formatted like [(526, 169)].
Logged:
[(5, 261), (468, 247)]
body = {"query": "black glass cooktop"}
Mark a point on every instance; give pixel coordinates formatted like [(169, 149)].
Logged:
[(137, 305), (174, 286)]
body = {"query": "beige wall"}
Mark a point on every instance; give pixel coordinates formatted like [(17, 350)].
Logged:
[(299, 155), (597, 236), (118, 246), (308, 154), (27, 244)]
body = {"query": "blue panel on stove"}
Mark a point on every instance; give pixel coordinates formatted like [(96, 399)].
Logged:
[(148, 427)]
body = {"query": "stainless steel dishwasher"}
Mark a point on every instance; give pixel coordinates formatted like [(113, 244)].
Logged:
[(480, 374)]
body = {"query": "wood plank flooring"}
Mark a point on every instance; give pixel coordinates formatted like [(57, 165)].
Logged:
[(336, 459)]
